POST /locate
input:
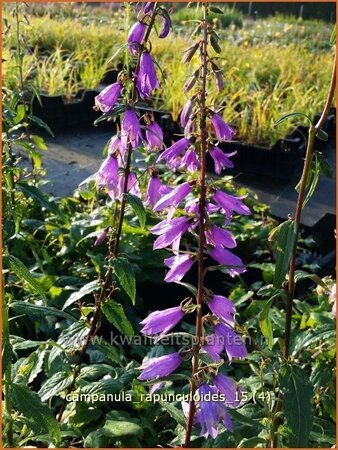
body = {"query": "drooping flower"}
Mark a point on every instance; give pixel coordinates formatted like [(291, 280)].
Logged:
[(132, 187), (233, 343), (154, 136), (108, 97), (174, 197), (217, 236), (221, 159), (107, 175), (190, 161), (230, 203), (162, 321), (226, 258), (155, 191), (131, 130), (160, 367), (207, 415), (186, 112), (166, 26), (223, 131), (135, 37), (179, 266), (148, 7), (228, 387), (219, 80), (214, 347), (223, 308), (146, 78), (174, 151), (100, 238), (172, 232), (189, 128)]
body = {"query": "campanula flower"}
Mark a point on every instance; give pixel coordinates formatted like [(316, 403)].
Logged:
[(223, 308), (148, 7), (225, 258), (135, 37), (132, 188), (233, 344), (160, 367), (221, 159), (166, 26), (190, 161), (108, 97), (174, 197), (154, 136), (228, 387), (223, 131), (174, 151), (162, 321), (207, 415), (230, 203), (101, 237), (217, 236), (179, 266), (186, 112), (146, 78), (131, 130), (155, 190), (214, 347), (172, 232), (107, 175)]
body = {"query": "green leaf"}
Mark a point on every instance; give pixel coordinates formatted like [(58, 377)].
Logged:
[(39, 141), (7, 353), (297, 403), (108, 350), (54, 385), (102, 387), (30, 309), (116, 315), (41, 124), (294, 114), (251, 442), (285, 238), (138, 208), (36, 194), (39, 415), (23, 273), (215, 45), (121, 429), (85, 290), (174, 412), (125, 274), (20, 114), (333, 35), (314, 178), (301, 275), (265, 323), (215, 10), (190, 287), (322, 135)]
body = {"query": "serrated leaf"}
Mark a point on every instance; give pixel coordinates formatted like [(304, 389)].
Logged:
[(174, 412), (104, 386), (36, 194), (54, 385), (40, 417), (23, 273), (138, 208), (85, 290), (108, 350), (29, 309), (297, 403), (116, 315), (285, 238), (294, 114), (125, 274)]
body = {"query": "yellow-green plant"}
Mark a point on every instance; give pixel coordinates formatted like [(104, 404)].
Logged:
[(91, 67)]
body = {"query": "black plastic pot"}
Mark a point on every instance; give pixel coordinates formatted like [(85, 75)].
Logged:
[(51, 110)]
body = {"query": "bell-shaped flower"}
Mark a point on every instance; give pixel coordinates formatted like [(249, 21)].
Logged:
[(179, 266), (160, 367), (131, 130), (132, 187), (173, 231), (230, 203), (165, 28), (155, 191), (174, 151), (227, 387), (221, 159), (233, 343), (217, 236), (108, 97), (186, 112), (154, 136), (174, 197), (223, 308), (160, 322), (107, 175), (207, 415), (190, 161), (100, 238), (148, 7), (135, 37), (223, 131), (225, 258), (146, 78), (214, 347)]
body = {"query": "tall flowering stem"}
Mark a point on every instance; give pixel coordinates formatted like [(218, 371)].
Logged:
[(202, 218)]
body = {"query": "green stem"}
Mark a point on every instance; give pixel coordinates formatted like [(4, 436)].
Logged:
[(201, 240), (7, 378)]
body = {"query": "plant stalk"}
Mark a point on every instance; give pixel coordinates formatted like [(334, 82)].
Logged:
[(7, 378), (201, 240)]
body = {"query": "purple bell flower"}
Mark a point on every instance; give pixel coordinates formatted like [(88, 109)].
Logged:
[(207, 415), (174, 197), (179, 266), (162, 321), (230, 203), (131, 130), (173, 231), (108, 97), (223, 308), (217, 236), (155, 190), (148, 7), (189, 128), (221, 159), (135, 37), (132, 188), (190, 161), (174, 151), (186, 112), (223, 131), (228, 387), (101, 237), (166, 26), (213, 347), (146, 78), (225, 258), (154, 136), (160, 367), (233, 344), (107, 175)]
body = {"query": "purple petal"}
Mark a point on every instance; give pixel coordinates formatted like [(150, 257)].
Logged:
[(230, 203), (226, 386), (221, 159), (154, 136), (233, 344), (217, 236), (146, 78), (179, 266), (162, 321), (108, 97), (166, 25), (174, 197), (223, 131), (135, 37), (186, 112), (160, 367), (225, 258), (223, 308)]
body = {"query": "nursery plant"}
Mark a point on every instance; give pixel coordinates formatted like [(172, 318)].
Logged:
[(160, 306)]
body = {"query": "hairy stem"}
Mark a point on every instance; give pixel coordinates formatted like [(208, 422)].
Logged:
[(202, 216)]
